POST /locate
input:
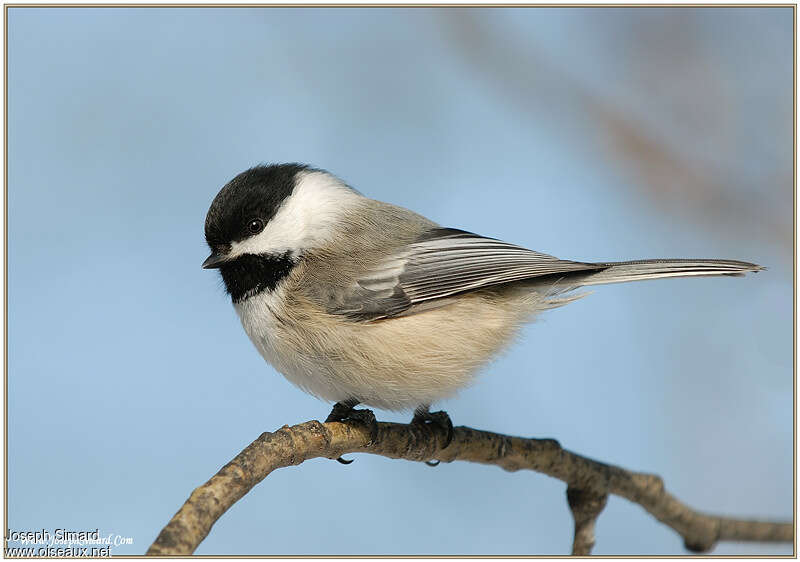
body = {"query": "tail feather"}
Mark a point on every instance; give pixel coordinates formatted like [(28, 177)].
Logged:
[(621, 272)]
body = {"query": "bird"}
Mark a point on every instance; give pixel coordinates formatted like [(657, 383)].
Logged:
[(357, 301)]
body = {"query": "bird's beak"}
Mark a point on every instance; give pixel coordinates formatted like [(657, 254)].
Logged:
[(215, 260)]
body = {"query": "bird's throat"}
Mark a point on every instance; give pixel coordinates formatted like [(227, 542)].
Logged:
[(250, 274)]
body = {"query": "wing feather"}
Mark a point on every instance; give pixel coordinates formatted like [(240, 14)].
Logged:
[(443, 263)]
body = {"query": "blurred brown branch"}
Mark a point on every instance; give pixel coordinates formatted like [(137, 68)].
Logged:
[(589, 481), (681, 147)]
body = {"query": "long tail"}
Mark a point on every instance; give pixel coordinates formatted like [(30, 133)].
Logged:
[(621, 272), (560, 293)]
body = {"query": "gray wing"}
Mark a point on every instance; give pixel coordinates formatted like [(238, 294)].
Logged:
[(441, 263)]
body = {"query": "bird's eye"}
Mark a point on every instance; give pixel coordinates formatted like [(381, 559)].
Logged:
[(255, 226)]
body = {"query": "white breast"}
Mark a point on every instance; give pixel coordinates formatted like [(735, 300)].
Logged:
[(264, 321)]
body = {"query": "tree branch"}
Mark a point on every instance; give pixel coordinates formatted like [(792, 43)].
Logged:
[(586, 506), (589, 481)]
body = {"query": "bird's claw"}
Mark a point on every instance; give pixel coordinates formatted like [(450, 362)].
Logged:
[(343, 412), (440, 419), (367, 417)]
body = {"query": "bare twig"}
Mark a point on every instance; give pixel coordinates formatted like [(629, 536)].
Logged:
[(594, 480), (586, 507)]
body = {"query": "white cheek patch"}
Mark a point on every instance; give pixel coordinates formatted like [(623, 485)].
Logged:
[(306, 219)]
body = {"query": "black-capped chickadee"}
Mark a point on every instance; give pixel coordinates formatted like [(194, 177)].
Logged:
[(362, 302)]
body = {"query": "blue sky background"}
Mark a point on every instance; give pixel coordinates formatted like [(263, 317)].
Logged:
[(590, 134)]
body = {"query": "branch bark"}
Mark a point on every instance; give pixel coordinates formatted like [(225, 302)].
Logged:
[(586, 506), (589, 482)]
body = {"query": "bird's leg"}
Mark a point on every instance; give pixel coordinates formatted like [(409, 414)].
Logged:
[(341, 410), (345, 411), (423, 416)]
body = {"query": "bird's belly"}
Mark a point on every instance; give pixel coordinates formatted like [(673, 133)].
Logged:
[(395, 364), (266, 326)]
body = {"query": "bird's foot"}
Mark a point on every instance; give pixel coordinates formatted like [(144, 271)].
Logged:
[(422, 416), (345, 411), (440, 419)]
